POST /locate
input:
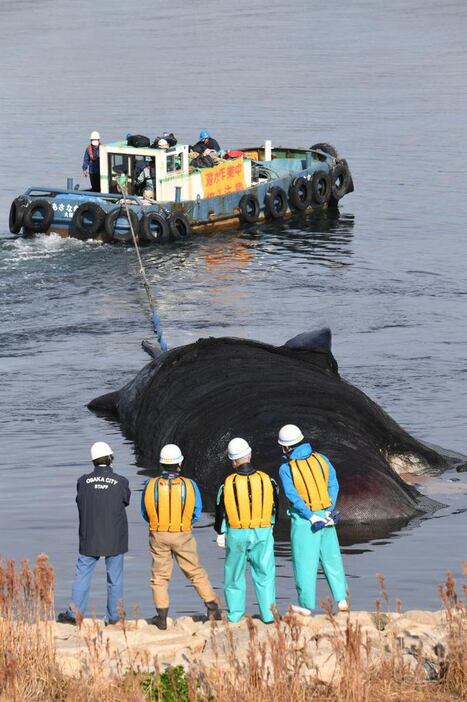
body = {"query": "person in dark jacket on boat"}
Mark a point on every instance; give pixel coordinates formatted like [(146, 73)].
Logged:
[(102, 497), (91, 162), (146, 179), (206, 142)]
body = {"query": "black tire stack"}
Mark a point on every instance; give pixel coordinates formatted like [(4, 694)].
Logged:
[(88, 220), (16, 217), (38, 216)]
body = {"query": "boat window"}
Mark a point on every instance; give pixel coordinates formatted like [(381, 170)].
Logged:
[(118, 164), (174, 163), (144, 174)]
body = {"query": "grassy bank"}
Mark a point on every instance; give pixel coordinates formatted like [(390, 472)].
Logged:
[(283, 666)]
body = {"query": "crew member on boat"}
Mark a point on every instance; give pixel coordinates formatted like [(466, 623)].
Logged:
[(206, 143), (91, 162), (146, 178)]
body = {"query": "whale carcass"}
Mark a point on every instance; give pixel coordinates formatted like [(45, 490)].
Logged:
[(202, 394)]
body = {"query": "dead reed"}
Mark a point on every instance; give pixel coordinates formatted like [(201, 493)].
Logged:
[(356, 661), (28, 668)]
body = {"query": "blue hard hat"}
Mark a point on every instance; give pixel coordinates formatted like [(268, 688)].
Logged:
[(204, 134)]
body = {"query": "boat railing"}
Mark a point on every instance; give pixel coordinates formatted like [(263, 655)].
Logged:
[(53, 192)]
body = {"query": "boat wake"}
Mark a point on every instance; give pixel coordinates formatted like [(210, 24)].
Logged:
[(41, 246)]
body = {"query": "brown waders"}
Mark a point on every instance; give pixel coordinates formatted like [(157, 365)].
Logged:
[(181, 545)]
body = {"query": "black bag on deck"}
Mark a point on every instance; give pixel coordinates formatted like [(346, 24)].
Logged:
[(138, 140), (202, 162), (169, 137)]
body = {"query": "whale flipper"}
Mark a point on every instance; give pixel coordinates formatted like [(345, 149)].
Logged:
[(150, 349), (108, 403)]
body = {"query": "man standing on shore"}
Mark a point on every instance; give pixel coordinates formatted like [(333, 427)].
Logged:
[(247, 503), (102, 497), (171, 504), (310, 484)]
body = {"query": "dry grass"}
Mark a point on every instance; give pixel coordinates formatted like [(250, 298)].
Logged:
[(281, 667), (28, 667)]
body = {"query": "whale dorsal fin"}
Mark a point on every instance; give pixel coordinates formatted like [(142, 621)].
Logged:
[(312, 340)]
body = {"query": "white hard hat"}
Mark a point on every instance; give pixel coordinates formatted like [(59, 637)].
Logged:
[(170, 455), (238, 448), (95, 135), (162, 144), (289, 435), (100, 450)]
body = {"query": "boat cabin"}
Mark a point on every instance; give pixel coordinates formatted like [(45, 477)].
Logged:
[(175, 180)]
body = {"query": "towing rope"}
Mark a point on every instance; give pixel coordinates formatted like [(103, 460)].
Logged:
[(155, 319)]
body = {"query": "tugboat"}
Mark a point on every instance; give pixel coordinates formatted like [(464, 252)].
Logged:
[(245, 186)]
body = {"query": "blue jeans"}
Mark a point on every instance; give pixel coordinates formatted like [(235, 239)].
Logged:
[(84, 569)]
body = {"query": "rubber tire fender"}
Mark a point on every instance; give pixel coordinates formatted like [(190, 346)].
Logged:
[(15, 219), (149, 234), (34, 225), (340, 180), (350, 187), (321, 187), (112, 217), (327, 148), (95, 213), (300, 193), (275, 202), (249, 208), (179, 225)]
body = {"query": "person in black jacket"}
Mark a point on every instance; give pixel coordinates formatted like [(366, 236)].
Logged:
[(102, 497), (206, 142)]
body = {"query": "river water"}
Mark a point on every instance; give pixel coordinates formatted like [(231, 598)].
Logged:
[(384, 82)]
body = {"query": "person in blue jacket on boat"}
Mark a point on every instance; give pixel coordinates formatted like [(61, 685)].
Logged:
[(91, 162), (310, 484), (206, 142)]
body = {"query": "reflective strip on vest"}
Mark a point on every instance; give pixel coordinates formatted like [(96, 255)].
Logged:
[(249, 500), (310, 478), (174, 506), (91, 153)]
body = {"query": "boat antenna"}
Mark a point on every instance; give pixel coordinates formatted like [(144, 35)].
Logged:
[(155, 319)]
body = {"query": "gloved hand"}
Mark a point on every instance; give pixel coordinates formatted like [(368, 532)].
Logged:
[(220, 540), (317, 523), (333, 519)]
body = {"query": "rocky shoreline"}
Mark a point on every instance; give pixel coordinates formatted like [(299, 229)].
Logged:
[(418, 637)]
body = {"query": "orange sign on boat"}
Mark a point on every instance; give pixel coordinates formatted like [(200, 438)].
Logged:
[(228, 177)]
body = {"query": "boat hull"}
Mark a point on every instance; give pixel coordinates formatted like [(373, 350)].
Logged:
[(107, 217)]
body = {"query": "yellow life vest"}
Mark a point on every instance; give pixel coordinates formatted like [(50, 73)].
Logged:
[(170, 512), (310, 477), (249, 500)]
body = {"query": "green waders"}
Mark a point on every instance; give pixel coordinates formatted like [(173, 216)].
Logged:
[(308, 550), (255, 546)]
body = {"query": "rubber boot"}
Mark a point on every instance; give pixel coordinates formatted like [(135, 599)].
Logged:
[(213, 611), (160, 620)]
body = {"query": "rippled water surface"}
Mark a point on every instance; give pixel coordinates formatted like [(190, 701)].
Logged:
[(384, 83)]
